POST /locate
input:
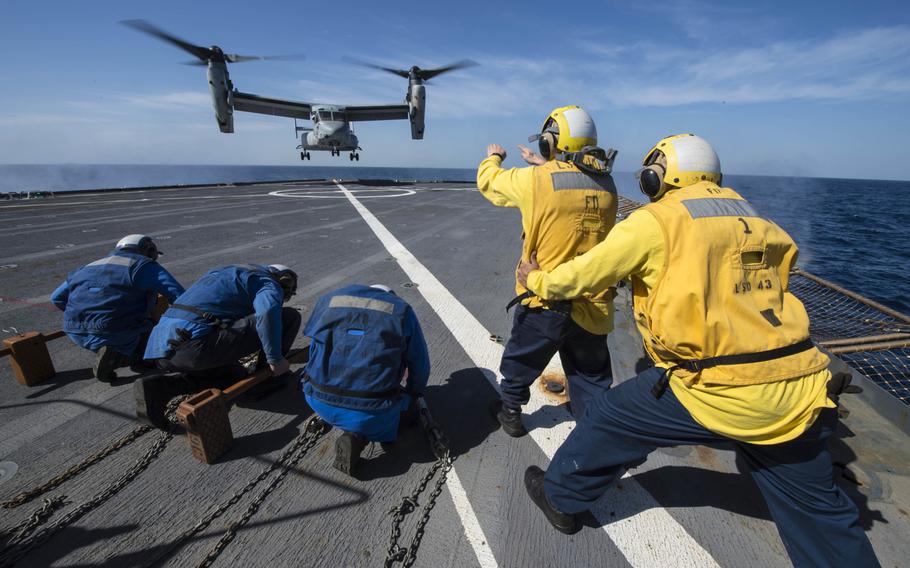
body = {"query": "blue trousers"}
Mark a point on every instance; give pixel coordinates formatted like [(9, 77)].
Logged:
[(537, 335), (817, 522), (374, 425)]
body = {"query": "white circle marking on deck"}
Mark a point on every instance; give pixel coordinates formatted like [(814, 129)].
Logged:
[(331, 193)]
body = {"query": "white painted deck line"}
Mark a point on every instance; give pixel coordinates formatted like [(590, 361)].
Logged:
[(648, 536), (472, 529)]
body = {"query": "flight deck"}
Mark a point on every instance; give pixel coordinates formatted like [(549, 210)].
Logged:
[(450, 254)]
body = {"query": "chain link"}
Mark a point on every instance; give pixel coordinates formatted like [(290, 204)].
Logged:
[(312, 433), (21, 548), (409, 503), (26, 496), (36, 519), (313, 430)]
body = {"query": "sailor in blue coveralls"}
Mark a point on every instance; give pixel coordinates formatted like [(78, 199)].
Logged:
[(228, 314), (365, 341), (107, 303)]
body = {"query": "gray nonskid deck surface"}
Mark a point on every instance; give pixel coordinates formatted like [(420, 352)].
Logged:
[(319, 517)]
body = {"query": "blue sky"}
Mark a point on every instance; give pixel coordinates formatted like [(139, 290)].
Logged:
[(780, 88)]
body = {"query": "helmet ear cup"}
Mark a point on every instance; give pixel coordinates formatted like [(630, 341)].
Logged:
[(288, 285), (650, 181), (546, 143), (147, 247)]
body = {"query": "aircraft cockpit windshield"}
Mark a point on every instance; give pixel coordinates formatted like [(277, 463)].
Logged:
[(322, 115)]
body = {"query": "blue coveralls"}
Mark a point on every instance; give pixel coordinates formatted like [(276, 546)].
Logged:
[(363, 341), (818, 523), (108, 302), (246, 314)]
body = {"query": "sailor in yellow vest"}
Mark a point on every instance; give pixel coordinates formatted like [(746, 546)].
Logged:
[(567, 201), (733, 359)]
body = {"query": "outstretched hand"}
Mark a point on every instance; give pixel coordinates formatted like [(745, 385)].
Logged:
[(496, 149), (530, 157), (526, 267)]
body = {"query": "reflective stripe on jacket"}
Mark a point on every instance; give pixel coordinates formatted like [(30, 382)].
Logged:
[(723, 290), (103, 297)]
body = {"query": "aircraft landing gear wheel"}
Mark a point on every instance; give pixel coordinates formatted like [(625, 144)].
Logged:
[(303, 155), (357, 157), (307, 155), (351, 156)]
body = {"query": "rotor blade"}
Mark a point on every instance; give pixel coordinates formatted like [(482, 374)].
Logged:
[(202, 53), (234, 58), (195, 63), (463, 64), (399, 72)]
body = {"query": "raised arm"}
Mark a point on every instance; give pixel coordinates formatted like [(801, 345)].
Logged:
[(503, 188)]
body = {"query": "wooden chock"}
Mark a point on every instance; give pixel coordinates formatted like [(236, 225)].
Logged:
[(208, 428), (205, 415), (29, 357)]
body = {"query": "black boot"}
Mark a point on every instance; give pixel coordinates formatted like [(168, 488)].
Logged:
[(509, 419), (152, 395), (108, 359), (137, 361), (347, 451), (563, 522), (154, 392)]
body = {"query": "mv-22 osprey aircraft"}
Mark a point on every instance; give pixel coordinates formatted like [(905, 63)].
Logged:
[(331, 130)]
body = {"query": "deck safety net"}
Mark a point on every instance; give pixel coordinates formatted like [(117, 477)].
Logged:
[(873, 339)]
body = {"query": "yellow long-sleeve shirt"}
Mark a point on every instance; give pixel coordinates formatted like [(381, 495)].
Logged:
[(769, 413)]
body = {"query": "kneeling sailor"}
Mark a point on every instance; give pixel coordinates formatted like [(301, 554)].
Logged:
[(365, 340), (228, 314), (107, 303)]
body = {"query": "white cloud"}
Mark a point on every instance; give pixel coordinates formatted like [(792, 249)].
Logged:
[(865, 64)]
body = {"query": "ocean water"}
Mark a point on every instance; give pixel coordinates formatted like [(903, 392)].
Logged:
[(853, 232)]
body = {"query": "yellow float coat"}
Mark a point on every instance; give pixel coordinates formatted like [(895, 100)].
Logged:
[(761, 412), (564, 213)]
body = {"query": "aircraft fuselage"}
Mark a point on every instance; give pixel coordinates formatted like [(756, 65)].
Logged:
[(331, 131)]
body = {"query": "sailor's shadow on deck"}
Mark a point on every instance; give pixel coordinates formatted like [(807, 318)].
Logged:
[(859, 484), (460, 407), (287, 399), (74, 538)]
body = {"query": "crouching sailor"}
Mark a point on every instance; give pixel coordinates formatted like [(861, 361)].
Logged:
[(228, 314), (107, 304), (365, 340), (734, 362)]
